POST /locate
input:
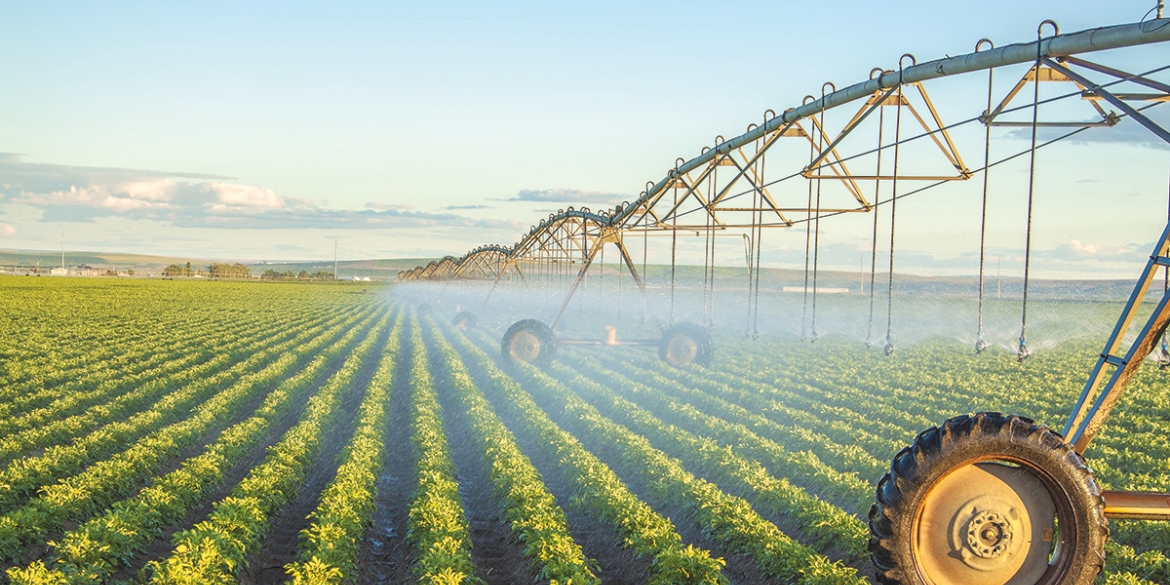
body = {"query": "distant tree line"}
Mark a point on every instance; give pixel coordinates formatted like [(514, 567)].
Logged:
[(179, 270), (271, 274), (224, 270), (215, 270)]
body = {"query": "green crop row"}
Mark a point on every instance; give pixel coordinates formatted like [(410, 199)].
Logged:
[(436, 525), (214, 550), (48, 341), (533, 513), (94, 551), (88, 492), (329, 545), (751, 434), (597, 489), (837, 443), (728, 520), (53, 425), (135, 357), (821, 524), (24, 476)]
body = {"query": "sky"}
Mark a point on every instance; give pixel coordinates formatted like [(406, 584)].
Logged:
[(271, 130)]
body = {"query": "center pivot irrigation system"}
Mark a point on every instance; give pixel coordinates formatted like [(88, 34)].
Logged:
[(981, 499)]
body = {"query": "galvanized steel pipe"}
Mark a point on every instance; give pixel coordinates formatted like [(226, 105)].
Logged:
[(1097, 39)]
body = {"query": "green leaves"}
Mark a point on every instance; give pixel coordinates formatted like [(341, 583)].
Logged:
[(437, 526)]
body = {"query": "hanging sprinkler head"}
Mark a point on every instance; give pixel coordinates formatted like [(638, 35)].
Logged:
[(1022, 353), (980, 345), (812, 338), (1164, 356), (889, 345), (869, 342)]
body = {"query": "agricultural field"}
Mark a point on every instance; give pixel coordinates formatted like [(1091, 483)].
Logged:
[(220, 432)]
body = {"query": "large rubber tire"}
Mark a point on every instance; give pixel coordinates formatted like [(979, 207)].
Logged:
[(530, 341), (947, 486), (423, 309), (464, 320), (686, 343)]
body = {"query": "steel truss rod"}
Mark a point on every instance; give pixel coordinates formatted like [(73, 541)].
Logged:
[(1110, 37)]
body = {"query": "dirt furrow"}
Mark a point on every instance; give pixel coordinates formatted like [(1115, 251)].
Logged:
[(384, 557), (498, 560), (618, 565), (280, 546)]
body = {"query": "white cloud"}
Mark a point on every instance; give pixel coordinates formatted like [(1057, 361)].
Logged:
[(83, 194), (229, 195), (1079, 248), (7, 230)]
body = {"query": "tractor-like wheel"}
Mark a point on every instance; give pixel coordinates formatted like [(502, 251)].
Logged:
[(686, 343), (464, 320), (423, 309), (529, 341), (988, 499)]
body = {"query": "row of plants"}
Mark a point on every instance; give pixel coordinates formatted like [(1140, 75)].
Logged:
[(120, 398), (750, 434), (23, 477), (133, 357), (436, 523), (596, 489), (214, 550), (820, 524), (728, 520), (50, 358), (529, 507), (329, 545), (57, 329), (97, 549), (88, 492), (849, 445)]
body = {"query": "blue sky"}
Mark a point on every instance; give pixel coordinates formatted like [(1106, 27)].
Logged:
[(268, 130)]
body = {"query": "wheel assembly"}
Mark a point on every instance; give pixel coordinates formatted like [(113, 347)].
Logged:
[(529, 341), (423, 309), (464, 320), (988, 499), (686, 343)]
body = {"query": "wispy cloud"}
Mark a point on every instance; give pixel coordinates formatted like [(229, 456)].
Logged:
[(385, 206), (567, 196), (7, 231), (1127, 131), (458, 207), (84, 194)]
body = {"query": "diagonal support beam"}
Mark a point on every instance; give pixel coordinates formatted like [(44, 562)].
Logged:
[(1132, 112)]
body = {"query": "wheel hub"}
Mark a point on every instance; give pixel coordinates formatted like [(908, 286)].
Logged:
[(985, 524), (989, 534), (681, 350), (525, 347)]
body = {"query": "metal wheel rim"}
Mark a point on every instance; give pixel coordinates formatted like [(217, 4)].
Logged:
[(681, 349), (524, 347), (986, 523)]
